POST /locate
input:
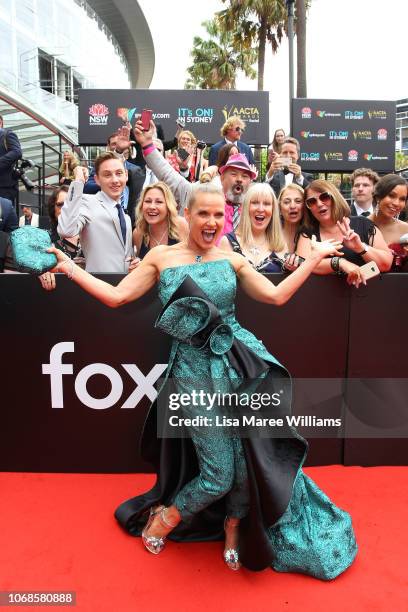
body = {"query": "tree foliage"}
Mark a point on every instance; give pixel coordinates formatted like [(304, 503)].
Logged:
[(218, 59), (259, 23), (254, 24)]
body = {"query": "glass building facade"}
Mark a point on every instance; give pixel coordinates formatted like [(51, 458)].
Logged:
[(50, 48)]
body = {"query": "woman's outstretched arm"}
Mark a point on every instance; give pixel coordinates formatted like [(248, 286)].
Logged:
[(261, 289), (132, 287)]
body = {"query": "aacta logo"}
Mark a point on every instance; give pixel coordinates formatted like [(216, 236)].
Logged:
[(98, 114), (306, 113), (56, 370)]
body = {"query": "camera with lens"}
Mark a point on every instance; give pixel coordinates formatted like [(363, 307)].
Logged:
[(201, 144), (19, 173)]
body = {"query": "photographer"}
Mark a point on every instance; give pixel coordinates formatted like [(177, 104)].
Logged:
[(285, 170), (187, 158), (8, 223), (10, 152)]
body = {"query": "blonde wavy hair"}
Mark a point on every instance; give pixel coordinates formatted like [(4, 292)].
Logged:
[(172, 214), (190, 134), (273, 232), (73, 162), (233, 121)]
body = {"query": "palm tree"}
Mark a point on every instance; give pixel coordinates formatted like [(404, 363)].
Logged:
[(216, 61), (301, 8), (253, 24)]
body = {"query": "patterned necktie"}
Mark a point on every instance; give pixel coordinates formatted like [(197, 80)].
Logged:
[(122, 221), (365, 213), (235, 217)]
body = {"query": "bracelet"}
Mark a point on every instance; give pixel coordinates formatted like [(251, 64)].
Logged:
[(70, 274), (335, 266), (148, 148), (365, 249)]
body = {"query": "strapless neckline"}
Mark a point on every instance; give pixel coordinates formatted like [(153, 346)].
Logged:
[(199, 264)]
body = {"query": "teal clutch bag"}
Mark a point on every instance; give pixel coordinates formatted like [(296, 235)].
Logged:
[(29, 247)]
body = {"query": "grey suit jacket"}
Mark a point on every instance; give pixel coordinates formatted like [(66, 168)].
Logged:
[(97, 223)]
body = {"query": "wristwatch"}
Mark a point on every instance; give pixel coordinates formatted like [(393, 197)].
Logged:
[(366, 247)]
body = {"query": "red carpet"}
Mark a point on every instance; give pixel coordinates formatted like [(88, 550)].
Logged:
[(58, 533)]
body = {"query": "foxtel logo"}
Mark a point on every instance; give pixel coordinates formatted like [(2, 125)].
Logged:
[(55, 369)]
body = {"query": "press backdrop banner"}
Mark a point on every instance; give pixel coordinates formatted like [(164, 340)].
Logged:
[(103, 111), (78, 377), (342, 135)]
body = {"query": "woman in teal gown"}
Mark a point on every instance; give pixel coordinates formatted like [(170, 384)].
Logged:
[(277, 516)]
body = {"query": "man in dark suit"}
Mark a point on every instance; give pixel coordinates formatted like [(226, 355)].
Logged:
[(285, 170), (8, 223), (10, 152), (136, 178), (231, 132), (8, 216), (363, 181)]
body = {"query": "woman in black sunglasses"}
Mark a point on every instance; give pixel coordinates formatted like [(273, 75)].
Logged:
[(327, 215)]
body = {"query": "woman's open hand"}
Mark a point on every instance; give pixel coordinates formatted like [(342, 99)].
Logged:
[(326, 247)]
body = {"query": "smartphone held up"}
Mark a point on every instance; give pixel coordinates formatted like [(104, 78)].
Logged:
[(145, 118)]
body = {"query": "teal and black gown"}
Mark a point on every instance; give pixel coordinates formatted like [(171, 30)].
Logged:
[(287, 522)]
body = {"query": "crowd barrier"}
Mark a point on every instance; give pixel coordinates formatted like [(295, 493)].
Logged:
[(78, 377)]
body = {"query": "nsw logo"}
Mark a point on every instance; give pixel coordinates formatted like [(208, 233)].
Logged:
[(382, 134), (98, 114), (353, 155), (306, 112)]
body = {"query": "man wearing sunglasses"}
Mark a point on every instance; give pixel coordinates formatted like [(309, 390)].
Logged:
[(285, 170), (231, 132)]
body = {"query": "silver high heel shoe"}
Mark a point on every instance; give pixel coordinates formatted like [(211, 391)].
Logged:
[(231, 556), (154, 544)]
